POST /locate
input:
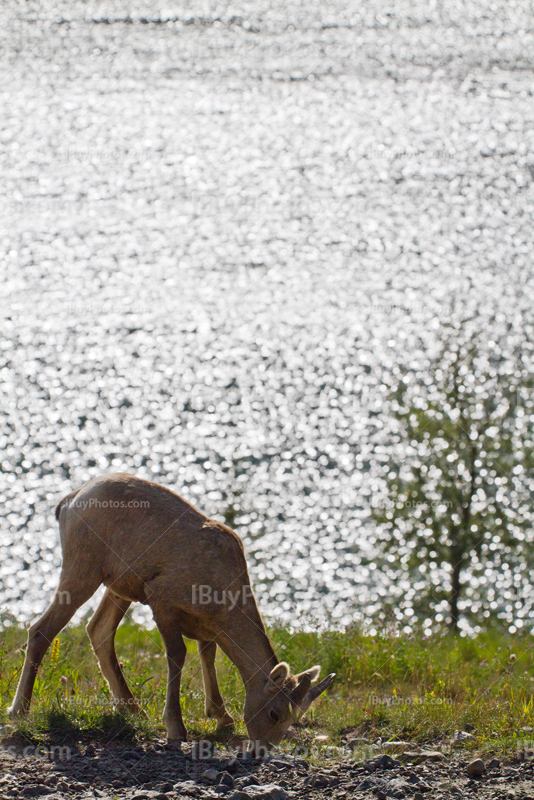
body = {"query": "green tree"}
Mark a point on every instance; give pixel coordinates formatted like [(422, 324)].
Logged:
[(459, 487)]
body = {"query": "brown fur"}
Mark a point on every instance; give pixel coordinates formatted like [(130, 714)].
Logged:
[(147, 544)]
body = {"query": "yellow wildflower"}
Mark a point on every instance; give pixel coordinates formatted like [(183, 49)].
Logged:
[(55, 651)]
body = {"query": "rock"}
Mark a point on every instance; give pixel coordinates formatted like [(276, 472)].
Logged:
[(281, 761), (239, 795), (285, 758), (37, 790), (494, 764), (279, 765), (418, 796), (221, 789), (187, 787), (363, 752), (360, 745), (232, 765), (364, 785), (225, 779), (398, 787), (475, 768), (408, 755), (12, 793), (210, 775), (429, 755), (460, 738), (380, 795), (250, 780), (396, 747), (318, 781), (269, 791), (380, 762), (164, 787)]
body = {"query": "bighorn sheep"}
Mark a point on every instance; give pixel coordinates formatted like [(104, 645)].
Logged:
[(147, 544)]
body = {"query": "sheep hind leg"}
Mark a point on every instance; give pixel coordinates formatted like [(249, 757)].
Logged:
[(42, 633), (101, 629)]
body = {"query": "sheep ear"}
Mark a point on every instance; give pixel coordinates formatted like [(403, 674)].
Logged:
[(277, 677), (312, 673)]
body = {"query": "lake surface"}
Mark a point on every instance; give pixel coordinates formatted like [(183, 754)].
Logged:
[(219, 224)]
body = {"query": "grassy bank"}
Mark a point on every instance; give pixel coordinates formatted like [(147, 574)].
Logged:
[(393, 687)]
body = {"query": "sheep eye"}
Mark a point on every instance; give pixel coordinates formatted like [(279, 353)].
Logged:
[(274, 716)]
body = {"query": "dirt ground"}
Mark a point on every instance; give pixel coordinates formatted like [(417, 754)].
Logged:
[(145, 772)]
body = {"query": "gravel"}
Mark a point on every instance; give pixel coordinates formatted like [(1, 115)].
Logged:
[(164, 774)]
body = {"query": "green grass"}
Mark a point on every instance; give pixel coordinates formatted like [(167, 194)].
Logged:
[(387, 686)]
